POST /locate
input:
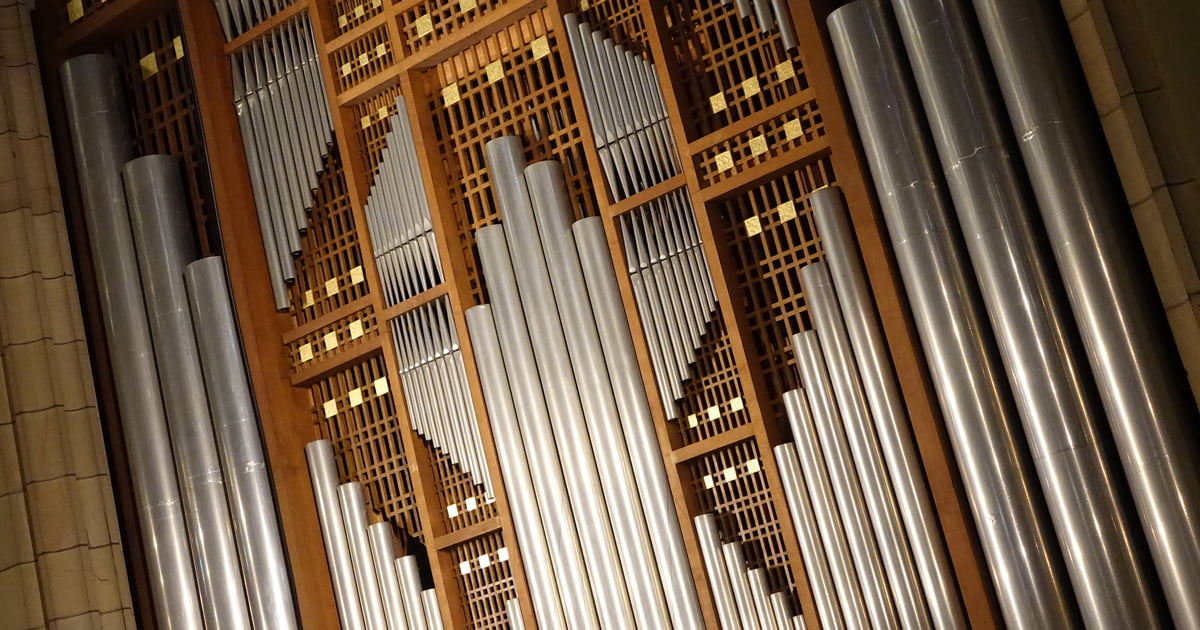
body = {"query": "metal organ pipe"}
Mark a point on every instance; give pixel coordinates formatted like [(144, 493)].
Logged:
[(971, 388), (102, 145), (383, 556), (887, 407), (247, 479), (1148, 409), (162, 234), (743, 599), (323, 472), (354, 515), (433, 617), (1054, 396), (718, 576), (410, 585)]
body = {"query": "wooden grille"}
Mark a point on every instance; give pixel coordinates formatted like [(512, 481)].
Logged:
[(362, 58), (338, 337), (349, 14), (485, 581), (770, 233), (329, 272), (463, 503), (355, 411), (71, 13), (712, 400), (792, 131), (512, 83), (731, 482), (158, 84), (431, 21), (622, 20), (374, 123), (728, 68)]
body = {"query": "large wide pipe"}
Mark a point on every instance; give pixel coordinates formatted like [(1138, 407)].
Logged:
[(552, 213), (1149, 410), (743, 599), (433, 617), (512, 609), (514, 468), (162, 233), (709, 537), (844, 481), (1056, 399), (887, 407), (322, 472), (815, 564), (102, 145), (863, 439), (410, 586), (634, 407), (354, 515), (1023, 561), (536, 432), (383, 556), (239, 441), (506, 163)]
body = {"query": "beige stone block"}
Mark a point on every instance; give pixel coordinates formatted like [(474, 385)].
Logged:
[(44, 232), (51, 506), (40, 439), (16, 546), (57, 321), (22, 111), (10, 464), (69, 382), (80, 447), (1160, 253), (90, 508), (19, 597), (112, 620), (29, 376), (8, 162), (1130, 167), (20, 309), (64, 583), (85, 621), (1073, 8), (1097, 67), (15, 257), (118, 554), (105, 593), (10, 192), (1186, 256)]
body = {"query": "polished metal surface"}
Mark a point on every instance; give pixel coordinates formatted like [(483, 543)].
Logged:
[(887, 408), (354, 515), (433, 617), (761, 594), (718, 576), (781, 608), (863, 439), (383, 558), (1054, 393), (796, 492), (980, 416), (410, 586), (1151, 414), (162, 234), (506, 163), (557, 516), (637, 423), (102, 144), (240, 444), (739, 582), (322, 471), (844, 481), (512, 608), (514, 469)]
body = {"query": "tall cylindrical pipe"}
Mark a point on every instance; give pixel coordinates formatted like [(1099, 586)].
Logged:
[(887, 407), (383, 556), (162, 233), (552, 214), (512, 609), (322, 472), (819, 580), (433, 617), (102, 145), (844, 481), (973, 392), (1055, 397), (506, 162), (1149, 410), (536, 432), (243, 458), (862, 436), (637, 423), (743, 599), (514, 468), (718, 577), (410, 586), (354, 515)]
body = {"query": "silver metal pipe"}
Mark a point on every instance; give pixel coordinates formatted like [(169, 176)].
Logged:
[(887, 407), (735, 568), (322, 471), (862, 437), (637, 423), (243, 457), (972, 390), (763, 15), (552, 214), (102, 144), (718, 576), (536, 433), (285, 170), (410, 585), (433, 617), (506, 162), (1115, 310), (844, 481), (266, 140), (354, 515), (162, 234), (796, 492), (383, 556), (787, 31), (1054, 396), (512, 608), (761, 594), (781, 608), (661, 355)]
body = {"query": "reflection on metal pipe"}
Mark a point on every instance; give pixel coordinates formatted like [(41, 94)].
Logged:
[(887, 407), (512, 608), (739, 583), (433, 617), (247, 478), (761, 594), (323, 473), (102, 145), (410, 586), (844, 481), (354, 515), (781, 608), (1148, 408), (718, 576), (972, 390), (383, 557), (162, 233)]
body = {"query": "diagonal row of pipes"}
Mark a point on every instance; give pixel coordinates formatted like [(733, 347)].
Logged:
[(742, 596)]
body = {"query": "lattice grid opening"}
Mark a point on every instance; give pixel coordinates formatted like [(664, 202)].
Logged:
[(770, 233), (329, 272), (794, 131), (712, 401), (428, 23), (338, 337), (374, 123), (512, 82), (485, 581), (349, 14), (463, 503), (728, 68), (622, 20), (362, 58), (158, 85), (354, 410)]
